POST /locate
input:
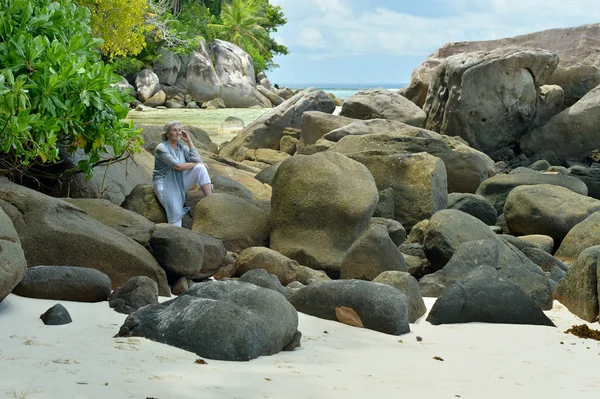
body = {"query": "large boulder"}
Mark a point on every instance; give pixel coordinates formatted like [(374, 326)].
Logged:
[(315, 124), (485, 296), (512, 264), (127, 222), (167, 66), (12, 258), (382, 104), (54, 232), (380, 307), (497, 188), (578, 290), (112, 182), (488, 98), (221, 320), (199, 76), (572, 134), (64, 283), (147, 84), (320, 205), (546, 209), (466, 167), (577, 48), (235, 221), (235, 71), (583, 235), (266, 131), (449, 228), (418, 182)]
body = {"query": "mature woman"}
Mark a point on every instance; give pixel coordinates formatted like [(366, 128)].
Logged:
[(176, 169)]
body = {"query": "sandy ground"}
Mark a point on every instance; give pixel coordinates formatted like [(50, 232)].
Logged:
[(83, 360)]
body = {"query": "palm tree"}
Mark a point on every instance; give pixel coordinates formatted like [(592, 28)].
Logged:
[(240, 24)]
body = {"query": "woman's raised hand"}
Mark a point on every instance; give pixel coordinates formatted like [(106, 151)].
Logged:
[(185, 136)]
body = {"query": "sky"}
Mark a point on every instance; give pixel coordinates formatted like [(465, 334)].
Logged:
[(382, 41)]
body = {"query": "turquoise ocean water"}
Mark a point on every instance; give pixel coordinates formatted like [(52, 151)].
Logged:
[(344, 90)]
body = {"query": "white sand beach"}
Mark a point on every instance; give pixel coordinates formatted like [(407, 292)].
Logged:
[(83, 360)]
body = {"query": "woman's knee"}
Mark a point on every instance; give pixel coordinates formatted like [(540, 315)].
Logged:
[(203, 177)]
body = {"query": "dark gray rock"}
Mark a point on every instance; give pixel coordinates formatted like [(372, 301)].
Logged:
[(591, 178), (578, 290), (474, 205), (449, 228), (264, 279), (381, 307), (515, 267), (54, 232), (543, 259), (57, 315), (12, 258), (396, 231), (181, 252), (68, 283), (485, 296), (267, 174), (224, 184), (221, 320), (137, 292)]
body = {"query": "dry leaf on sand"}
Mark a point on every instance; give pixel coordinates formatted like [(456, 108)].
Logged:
[(348, 316)]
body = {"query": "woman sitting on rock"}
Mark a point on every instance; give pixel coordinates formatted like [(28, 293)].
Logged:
[(176, 169)]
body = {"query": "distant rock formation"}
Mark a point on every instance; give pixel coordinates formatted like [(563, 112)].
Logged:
[(230, 77), (577, 48)]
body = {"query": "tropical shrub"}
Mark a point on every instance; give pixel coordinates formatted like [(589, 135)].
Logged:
[(120, 23), (55, 92)]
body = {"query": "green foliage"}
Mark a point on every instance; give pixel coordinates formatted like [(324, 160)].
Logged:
[(214, 6), (54, 89), (241, 24), (126, 65), (248, 24), (259, 61)]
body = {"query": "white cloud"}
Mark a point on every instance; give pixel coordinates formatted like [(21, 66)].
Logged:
[(330, 27), (311, 38)]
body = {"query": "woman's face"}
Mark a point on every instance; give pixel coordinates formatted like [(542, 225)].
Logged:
[(175, 132)]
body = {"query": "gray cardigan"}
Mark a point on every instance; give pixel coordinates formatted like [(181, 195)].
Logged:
[(165, 157)]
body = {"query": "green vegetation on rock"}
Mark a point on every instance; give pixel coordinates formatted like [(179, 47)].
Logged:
[(55, 92)]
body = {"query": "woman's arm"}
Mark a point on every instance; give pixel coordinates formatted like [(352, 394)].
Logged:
[(184, 166)]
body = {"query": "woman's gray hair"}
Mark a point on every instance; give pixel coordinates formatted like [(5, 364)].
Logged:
[(167, 127)]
